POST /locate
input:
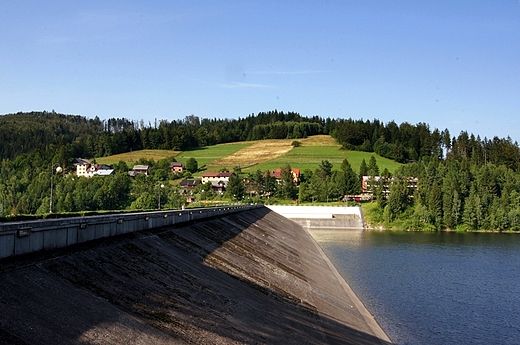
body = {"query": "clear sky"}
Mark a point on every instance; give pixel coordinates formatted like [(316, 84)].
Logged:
[(451, 64)]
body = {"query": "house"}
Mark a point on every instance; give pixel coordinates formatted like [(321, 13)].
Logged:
[(216, 176), (190, 184), (81, 169), (219, 187), (277, 174), (218, 180), (86, 169), (81, 166), (177, 167), (95, 167), (367, 181), (138, 169)]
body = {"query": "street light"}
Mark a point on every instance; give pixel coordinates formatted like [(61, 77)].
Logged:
[(58, 170), (159, 186)]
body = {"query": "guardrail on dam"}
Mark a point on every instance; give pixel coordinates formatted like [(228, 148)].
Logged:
[(30, 236)]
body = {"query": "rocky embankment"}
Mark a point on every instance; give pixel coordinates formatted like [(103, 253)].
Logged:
[(252, 277)]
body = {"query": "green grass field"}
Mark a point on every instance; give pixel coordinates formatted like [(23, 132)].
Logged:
[(131, 157), (206, 155), (310, 157), (307, 156)]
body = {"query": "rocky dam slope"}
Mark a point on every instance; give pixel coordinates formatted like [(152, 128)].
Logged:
[(252, 277)]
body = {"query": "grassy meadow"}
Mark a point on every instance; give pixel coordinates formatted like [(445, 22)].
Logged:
[(207, 156), (307, 157), (263, 155), (130, 158)]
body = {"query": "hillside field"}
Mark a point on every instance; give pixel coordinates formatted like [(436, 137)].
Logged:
[(263, 155), (130, 158), (309, 157), (206, 156)]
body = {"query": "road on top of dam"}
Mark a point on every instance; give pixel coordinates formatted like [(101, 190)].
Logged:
[(252, 277)]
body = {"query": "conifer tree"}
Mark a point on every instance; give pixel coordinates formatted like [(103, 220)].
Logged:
[(347, 182), (373, 168), (363, 169), (235, 187)]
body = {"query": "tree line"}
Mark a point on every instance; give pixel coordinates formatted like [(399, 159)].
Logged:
[(451, 194), (465, 182), (407, 143), (77, 136)]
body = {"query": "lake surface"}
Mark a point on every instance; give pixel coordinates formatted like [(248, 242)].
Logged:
[(433, 288)]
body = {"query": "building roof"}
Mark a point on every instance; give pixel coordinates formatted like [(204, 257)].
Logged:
[(80, 161), (190, 183), (219, 184), (104, 172), (176, 164), (140, 167), (277, 174), (98, 166)]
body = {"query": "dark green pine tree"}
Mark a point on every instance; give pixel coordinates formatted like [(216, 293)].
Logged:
[(398, 199), (287, 187), (235, 188), (347, 182), (363, 169), (472, 215), (373, 168), (435, 205)]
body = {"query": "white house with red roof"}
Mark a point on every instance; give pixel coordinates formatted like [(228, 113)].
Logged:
[(219, 180)]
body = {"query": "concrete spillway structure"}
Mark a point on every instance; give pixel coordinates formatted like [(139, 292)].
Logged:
[(252, 277), (320, 217)]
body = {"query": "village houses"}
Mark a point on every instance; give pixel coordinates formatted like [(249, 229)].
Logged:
[(86, 169)]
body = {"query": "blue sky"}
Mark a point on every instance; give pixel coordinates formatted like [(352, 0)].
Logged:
[(451, 64)]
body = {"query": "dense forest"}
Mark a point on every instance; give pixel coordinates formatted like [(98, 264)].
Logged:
[(465, 182), (77, 136)]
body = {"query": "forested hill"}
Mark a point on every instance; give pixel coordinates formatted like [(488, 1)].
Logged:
[(67, 136), (27, 132), (464, 182)]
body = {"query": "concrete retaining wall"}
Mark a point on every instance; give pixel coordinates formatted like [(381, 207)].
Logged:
[(30, 236), (311, 217), (321, 212), (352, 222)]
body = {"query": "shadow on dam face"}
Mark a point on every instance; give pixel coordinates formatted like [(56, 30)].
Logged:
[(251, 277)]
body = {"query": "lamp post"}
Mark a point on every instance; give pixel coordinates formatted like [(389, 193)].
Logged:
[(58, 170), (159, 186)]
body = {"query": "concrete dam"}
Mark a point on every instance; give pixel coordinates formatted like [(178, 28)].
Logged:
[(250, 277)]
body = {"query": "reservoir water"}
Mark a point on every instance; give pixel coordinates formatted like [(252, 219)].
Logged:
[(433, 288)]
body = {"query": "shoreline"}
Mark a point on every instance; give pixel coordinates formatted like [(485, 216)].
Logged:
[(360, 306), (382, 228)]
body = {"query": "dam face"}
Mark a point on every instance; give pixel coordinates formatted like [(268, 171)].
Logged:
[(251, 277)]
